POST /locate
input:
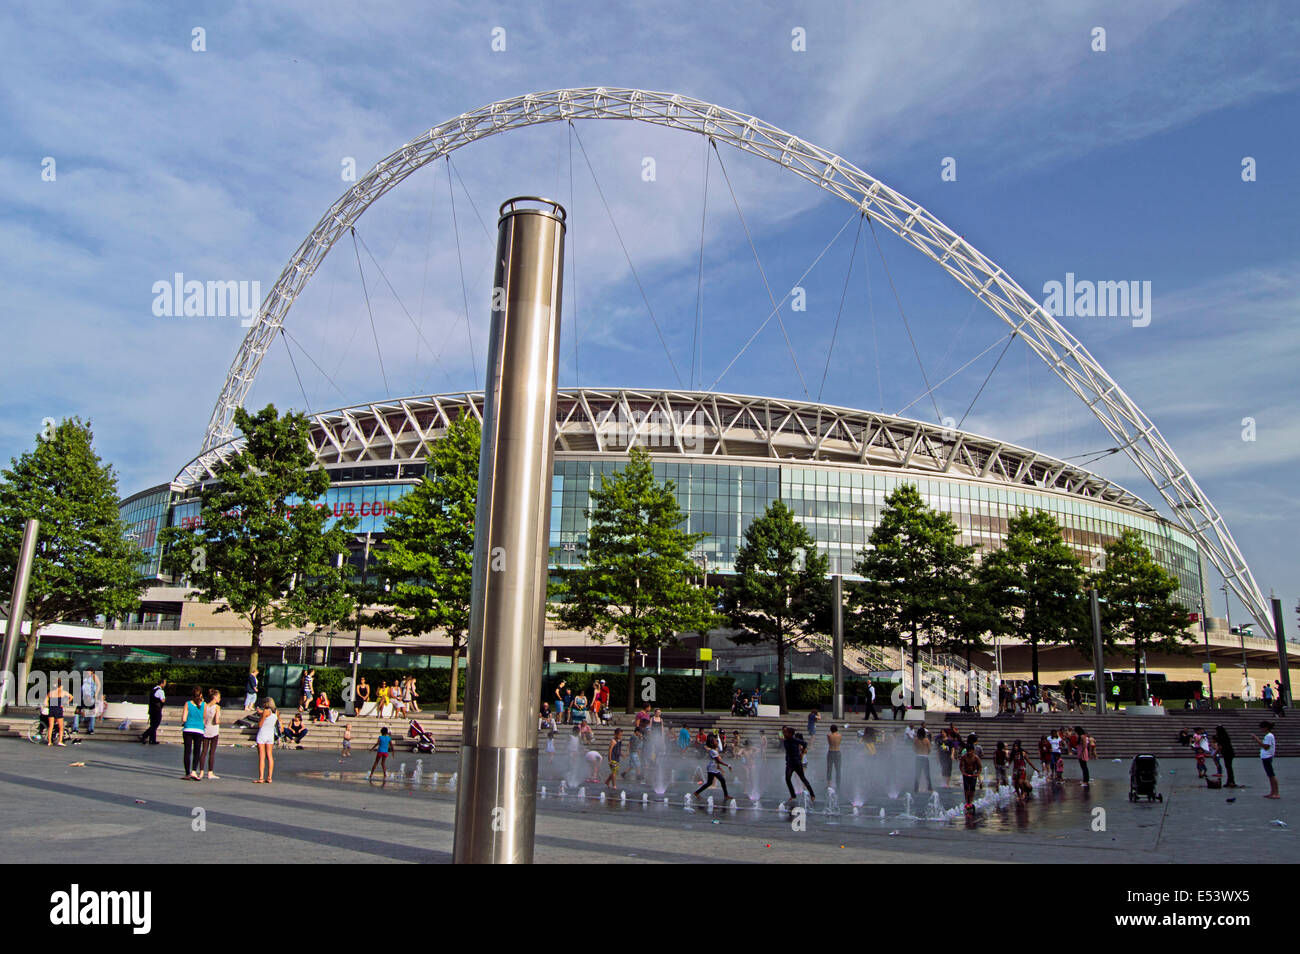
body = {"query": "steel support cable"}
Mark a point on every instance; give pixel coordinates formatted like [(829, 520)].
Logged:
[(875, 343), (460, 262), (370, 311), (772, 298), (635, 277), (843, 295), (428, 249), (916, 351), (987, 378), (306, 354), (939, 384), (294, 365), (470, 198), (400, 303), (772, 314), (699, 282)]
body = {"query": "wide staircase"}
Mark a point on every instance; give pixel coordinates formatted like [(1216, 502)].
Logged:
[(1125, 736)]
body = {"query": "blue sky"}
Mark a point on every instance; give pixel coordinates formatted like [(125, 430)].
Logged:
[(1115, 165)]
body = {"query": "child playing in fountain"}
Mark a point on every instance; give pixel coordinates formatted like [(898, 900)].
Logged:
[(1000, 765), (347, 742), (971, 769), (550, 748), (715, 765), (383, 745), (593, 765)]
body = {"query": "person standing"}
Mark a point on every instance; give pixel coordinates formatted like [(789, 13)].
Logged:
[(54, 700), (794, 754), (269, 721), (157, 696), (1267, 749), (615, 756), (972, 768), (833, 757), (921, 748), (192, 734), (559, 701), (871, 702), (89, 702), (715, 769), (250, 690), (813, 717), (362, 693), (1085, 751), (211, 733), (1226, 752)]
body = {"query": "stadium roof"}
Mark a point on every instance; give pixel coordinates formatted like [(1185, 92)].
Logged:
[(698, 423)]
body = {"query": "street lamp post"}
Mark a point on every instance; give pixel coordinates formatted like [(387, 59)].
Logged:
[(1209, 672), (1245, 667)]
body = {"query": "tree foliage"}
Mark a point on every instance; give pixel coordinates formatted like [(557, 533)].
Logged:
[(262, 550), (917, 578), (635, 580), (1137, 602), (778, 595), (1033, 582), (84, 565), (428, 555)]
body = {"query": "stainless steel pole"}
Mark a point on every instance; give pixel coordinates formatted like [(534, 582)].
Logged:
[(17, 607), (1284, 670), (1098, 663), (837, 640), (496, 802), (1205, 629)]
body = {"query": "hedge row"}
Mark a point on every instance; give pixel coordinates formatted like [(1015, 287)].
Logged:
[(815, 693)]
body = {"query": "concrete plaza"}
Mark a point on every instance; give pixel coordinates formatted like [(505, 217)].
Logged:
[(128, 804)]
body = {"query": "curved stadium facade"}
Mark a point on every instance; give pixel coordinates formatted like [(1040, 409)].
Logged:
[(729, 456)]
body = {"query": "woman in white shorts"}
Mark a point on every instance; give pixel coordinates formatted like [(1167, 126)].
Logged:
[(266, 741)]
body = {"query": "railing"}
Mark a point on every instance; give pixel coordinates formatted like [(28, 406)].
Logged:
[(157, 624)]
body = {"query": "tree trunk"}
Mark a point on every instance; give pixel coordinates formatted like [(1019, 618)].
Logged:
[(453, 685), (780, 672), (29, 650), (255, 649), (631, 677)]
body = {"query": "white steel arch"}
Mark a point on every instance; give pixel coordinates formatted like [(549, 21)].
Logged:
[(1132, 430)]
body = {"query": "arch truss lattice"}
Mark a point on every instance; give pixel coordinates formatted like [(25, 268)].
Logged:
[(1133, 431)]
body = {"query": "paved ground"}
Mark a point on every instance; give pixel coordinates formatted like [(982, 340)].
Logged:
[(129, 804)]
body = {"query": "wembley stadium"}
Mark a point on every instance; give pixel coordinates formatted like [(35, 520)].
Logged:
[(728, 457)]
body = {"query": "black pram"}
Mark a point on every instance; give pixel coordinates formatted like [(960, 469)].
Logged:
[(1142, 776)]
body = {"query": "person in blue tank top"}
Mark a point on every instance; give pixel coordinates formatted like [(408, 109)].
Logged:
[(192, 734), (383, 745)]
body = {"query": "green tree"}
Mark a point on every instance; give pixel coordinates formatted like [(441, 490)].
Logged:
[(1034, 584), (916, 578), (428, 555), (84, 564), (779, 588), (262, 550), (635, 581), (1137, 602)]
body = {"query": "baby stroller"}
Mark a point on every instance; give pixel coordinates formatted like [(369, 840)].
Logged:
[(424, 742), (1142, 775)]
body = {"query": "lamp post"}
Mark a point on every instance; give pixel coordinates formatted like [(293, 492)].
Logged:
[(1245, 667), (356, 644), (1209, 663)]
